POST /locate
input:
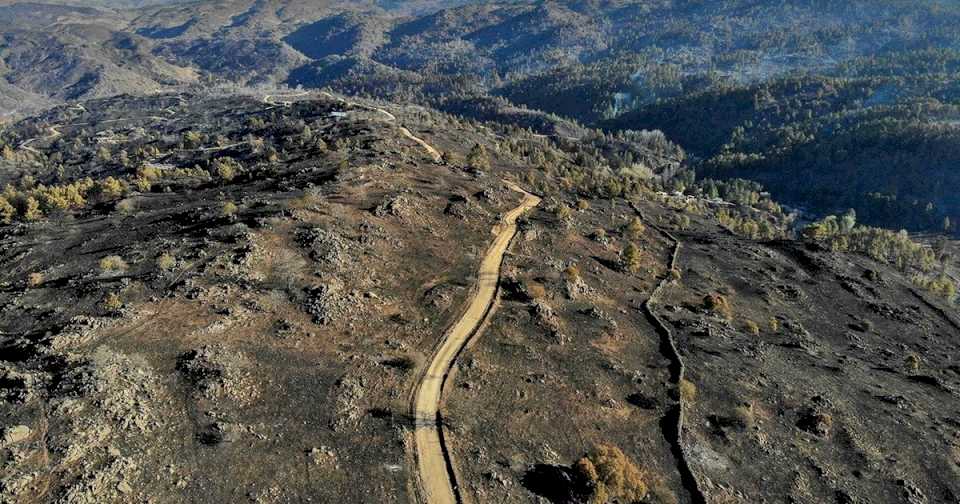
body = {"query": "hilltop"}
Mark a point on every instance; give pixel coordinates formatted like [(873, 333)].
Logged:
[(228, 297)]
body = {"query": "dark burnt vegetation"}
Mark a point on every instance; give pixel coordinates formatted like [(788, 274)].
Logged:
[(81, 169), (270, 269), (256, 222)]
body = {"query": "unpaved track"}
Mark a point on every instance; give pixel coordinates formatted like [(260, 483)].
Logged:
[(434, 153), (435, 480), (54, 133), (268, 101)]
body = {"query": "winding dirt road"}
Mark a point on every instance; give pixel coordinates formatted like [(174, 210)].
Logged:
[(436, 483), (434, 153), (54, 133)]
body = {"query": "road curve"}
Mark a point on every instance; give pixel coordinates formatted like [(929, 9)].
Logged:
[(268, 101), (435, 480), (54, 133), (434, 153)]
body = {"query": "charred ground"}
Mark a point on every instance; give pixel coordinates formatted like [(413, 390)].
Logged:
[(242, 312)]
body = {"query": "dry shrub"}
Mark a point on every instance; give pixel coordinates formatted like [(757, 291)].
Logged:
[(226, 168), (744, 416), (111, 302), (661, 493), (631, 259), (751, 327), (166, 262), (536, 290), (913, 363), (286, 269), (635, 228), (612, 476), (718, 304), (229, 209), (113, 263), (34, 279), (143, 184), (572, 273), (817, 422), (774, 324), (688, 391), (126, 207), (306, 202)]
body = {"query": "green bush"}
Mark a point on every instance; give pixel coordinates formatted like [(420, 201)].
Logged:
[(166, 262), (228, 209), (630, 259), (7, 211), (111, 302), (113, 264), (226, 168)]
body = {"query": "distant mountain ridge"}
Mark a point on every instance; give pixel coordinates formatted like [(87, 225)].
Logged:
[(617, 64), (453, 45)]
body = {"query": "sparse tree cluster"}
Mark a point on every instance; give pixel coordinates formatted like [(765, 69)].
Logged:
[(843, 235)]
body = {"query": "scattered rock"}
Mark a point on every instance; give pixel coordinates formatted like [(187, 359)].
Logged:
[(16, 386), (324, 456), (219, 432), (816, 422), (328, 303), (577, 289), (544, 317), (441, 296), (461, 207), (913, 494), (217, 373), (349, 392), (327, 246), (397, 206)]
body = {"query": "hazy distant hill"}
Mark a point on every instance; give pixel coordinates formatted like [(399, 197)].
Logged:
[(110, 4), (531, 52)]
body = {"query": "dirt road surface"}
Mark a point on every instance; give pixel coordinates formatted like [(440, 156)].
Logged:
[(435, 480)]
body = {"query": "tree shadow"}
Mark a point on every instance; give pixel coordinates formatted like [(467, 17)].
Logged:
[(610, 264), (557, 484)]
